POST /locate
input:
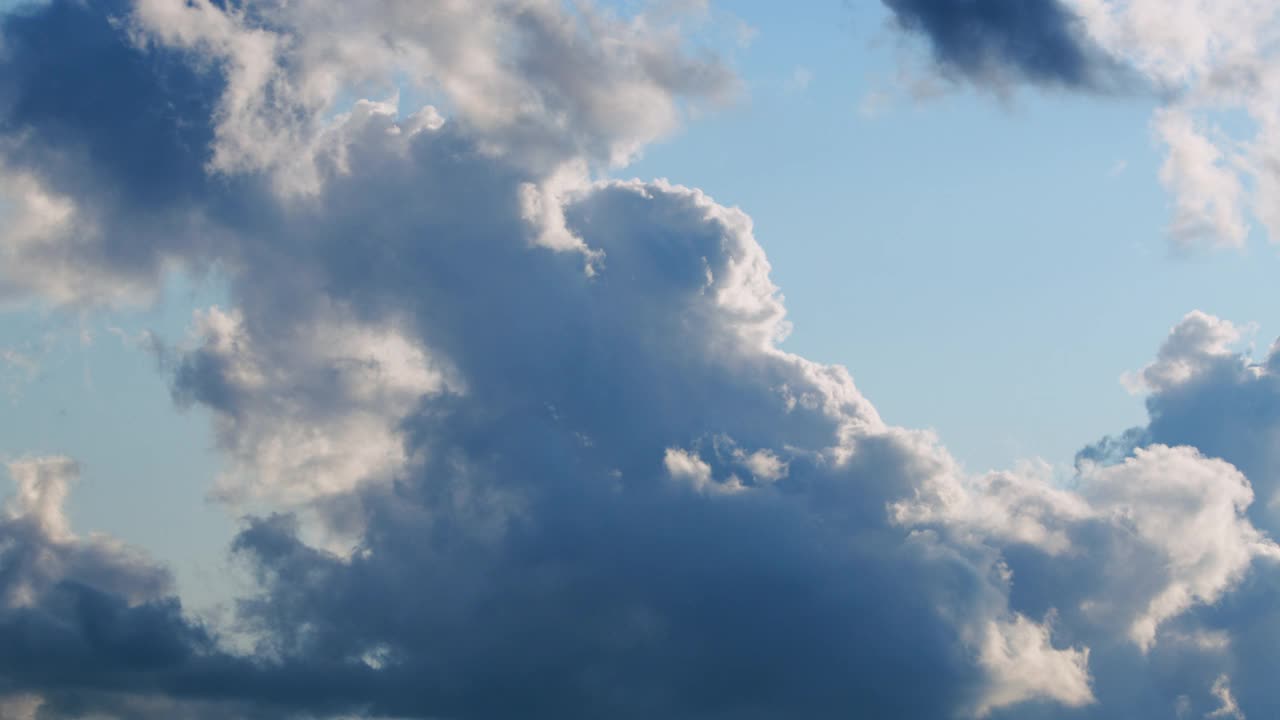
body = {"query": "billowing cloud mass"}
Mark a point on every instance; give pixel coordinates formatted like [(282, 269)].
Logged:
[(518, 439), (1205, 391), (1198, 59)]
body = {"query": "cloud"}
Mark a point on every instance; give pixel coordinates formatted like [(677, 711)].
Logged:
[(1194, 347), (1025, 666), (519, 438), (1203, 393), (1206, 394), (105, 193), (496, 429), (1156, 539), (312, 423), (593, 473), (1182, 513), (1189, 511), (540, 84), (76, 611), (1209, 196), (1222, 691), (1000, 41)]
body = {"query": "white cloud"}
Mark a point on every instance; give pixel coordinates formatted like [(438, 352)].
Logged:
[(1023, 506), (1190, 511), (1199, 60), (1195, 345), (764, 465), (541, 83), (687, 467), (1182, 511), (309, 414), (41, 233), (1208, 193), (1229, 708), (1023, 665), (42, 488), (1211, 57)]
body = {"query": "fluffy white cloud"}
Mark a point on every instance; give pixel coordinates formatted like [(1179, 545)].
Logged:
[(1178, 518), (1204, 392), (1208, 194), (538, 82), (310, 412), (1023, 665), (1194, 346), (1022, 506), (40, 234), (1189, 510), (1211, 58)]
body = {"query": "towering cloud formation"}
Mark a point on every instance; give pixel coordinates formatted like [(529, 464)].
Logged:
[(526, 436), (1205, 393), (1201, 57)]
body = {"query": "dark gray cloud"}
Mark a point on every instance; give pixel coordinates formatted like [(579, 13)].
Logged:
[(1040, 41), (122, 132), (542, 557)]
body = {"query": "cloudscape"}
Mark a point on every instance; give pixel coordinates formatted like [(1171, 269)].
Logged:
[(499, 410)]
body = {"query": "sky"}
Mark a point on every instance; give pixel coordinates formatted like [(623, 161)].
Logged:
[(627, 359)]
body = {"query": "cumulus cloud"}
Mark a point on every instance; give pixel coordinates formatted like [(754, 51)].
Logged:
[(1189, 511), (546, 412), (1206, 392), (540, 84), (500, 430), (1157, 538), (311, 413), (1194, 347), (1177, 516)]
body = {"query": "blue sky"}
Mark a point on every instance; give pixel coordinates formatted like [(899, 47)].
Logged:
[(491, 394)]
